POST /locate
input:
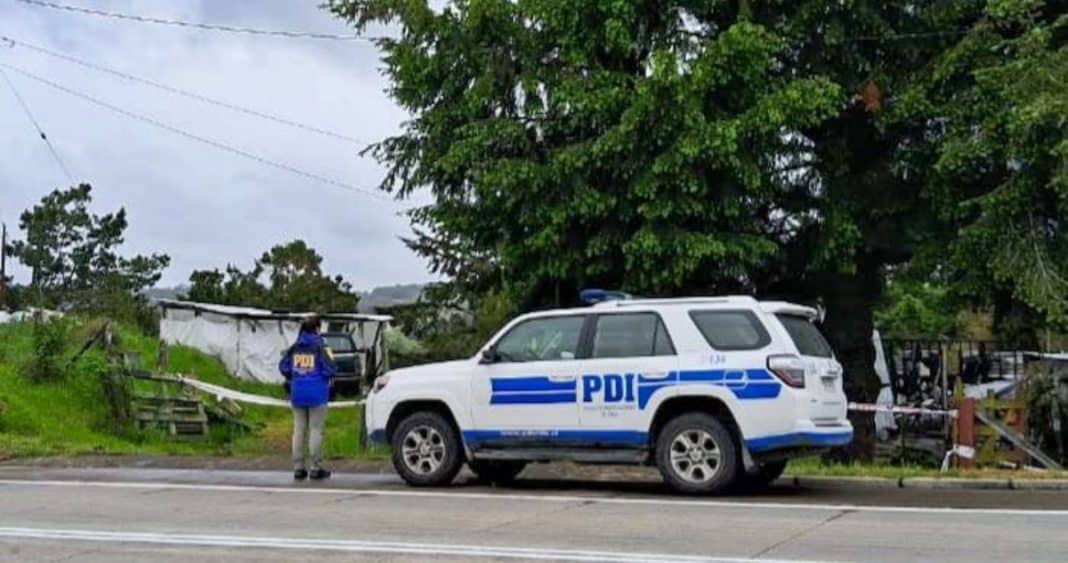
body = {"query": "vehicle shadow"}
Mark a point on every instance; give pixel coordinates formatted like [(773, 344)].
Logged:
[(784, 489)]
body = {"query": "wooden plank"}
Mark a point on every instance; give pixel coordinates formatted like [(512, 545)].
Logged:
[(1017, 440)]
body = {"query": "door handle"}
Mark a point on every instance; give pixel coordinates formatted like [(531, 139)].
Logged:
[(561, 378), (655, 375)]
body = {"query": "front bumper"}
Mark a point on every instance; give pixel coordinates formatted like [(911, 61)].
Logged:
[(376, 431)]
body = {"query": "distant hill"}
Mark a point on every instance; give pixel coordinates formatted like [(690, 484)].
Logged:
[(157, 293), (386, 296)]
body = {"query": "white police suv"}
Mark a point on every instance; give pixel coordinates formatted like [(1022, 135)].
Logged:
[(713, 391)]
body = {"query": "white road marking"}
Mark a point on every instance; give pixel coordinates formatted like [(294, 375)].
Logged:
[(359, 546), (452, 495)]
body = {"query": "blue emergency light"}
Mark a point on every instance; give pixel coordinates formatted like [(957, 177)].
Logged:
[(591, 296)]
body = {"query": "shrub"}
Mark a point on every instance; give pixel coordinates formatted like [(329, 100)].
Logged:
[(49, 339)]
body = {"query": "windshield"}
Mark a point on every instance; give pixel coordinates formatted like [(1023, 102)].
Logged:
[(806, 336), (339, 343)]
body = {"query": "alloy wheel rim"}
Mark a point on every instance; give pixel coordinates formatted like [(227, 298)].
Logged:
[(423, 450), (695, 456)]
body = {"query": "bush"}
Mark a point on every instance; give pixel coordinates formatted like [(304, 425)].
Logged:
[(48, 341)]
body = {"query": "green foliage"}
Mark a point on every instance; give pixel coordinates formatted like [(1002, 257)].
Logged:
[(1002, 170), (73, 255), (294, 281), (1046, 396), (72, 416), (571, 144), (915, 309), (49, 339), (440, 333)]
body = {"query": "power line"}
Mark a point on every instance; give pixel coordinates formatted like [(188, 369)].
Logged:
[(217, 144), (199, 25), (186, 93), (37, 126)]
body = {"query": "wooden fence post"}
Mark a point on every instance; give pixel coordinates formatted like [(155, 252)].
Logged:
[(966, 430)]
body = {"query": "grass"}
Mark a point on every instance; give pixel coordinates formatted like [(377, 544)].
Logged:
[(816, 467), (68, 415)]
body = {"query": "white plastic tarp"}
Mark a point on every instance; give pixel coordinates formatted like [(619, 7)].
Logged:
[(28, 314), (884, 420), (251, 341)]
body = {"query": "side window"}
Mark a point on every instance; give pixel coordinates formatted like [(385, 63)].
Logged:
[(542, 339), (731, 330), (631, 335)]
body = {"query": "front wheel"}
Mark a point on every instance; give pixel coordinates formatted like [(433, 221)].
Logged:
[(498, 472), (426, 450), (696, 454)]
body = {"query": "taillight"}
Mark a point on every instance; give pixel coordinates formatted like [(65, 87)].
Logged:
[(789, 368)]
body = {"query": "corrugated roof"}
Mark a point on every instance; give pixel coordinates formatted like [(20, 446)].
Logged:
[(254, 313)]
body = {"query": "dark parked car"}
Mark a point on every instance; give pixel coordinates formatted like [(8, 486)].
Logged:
[(348, 360)]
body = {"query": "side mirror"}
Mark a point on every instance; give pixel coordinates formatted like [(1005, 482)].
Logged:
[(489, 356)]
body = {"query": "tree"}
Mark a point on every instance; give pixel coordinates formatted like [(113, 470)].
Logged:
[(287, 277), (592, 143), (787, 149), (73, 254), (1002, 172)]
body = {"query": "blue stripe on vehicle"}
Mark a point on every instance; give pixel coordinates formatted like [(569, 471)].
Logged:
[(639, 438), (646, 392), (759, 375), (537, 383), (745, 384), (617, 437), (757, 391), (534, 398), (378, 436), (799, 439)]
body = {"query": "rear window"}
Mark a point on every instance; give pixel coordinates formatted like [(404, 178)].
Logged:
[(340, 344), (806, 336), (731, 330)]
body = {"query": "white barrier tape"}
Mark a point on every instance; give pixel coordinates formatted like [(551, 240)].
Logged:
[(221, 392), (868, 407)]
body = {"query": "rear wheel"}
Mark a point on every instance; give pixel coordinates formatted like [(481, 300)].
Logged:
[(426, 450), (499, 472), (696, 454)]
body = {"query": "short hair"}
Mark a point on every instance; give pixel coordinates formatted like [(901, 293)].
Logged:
[(311, 323)]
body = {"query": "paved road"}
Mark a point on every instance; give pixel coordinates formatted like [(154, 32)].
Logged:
[(179, 515)]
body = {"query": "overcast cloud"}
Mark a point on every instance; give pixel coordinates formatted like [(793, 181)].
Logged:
[(204, 207)]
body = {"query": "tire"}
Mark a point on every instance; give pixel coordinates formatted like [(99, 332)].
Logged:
[(765, 475), (696, 454), (497, 472), (426, 450)]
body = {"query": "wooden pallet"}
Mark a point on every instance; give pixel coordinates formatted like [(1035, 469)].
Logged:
[(180, 417)]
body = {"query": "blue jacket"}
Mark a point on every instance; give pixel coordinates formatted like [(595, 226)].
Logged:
[(308, 369)]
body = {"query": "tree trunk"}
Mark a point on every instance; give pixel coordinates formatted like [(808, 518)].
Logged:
[(850, 301)]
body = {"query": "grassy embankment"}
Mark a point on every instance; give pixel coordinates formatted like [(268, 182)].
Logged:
[(69, 414)]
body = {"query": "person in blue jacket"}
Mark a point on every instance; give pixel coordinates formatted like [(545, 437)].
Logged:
[(308, 368)]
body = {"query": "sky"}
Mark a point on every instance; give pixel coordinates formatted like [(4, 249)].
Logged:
[(203, 206)]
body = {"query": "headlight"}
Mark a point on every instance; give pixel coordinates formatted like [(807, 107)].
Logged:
[(381, 382)]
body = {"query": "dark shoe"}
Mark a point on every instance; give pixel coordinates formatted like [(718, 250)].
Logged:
[(319, 474), (300, 474)]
